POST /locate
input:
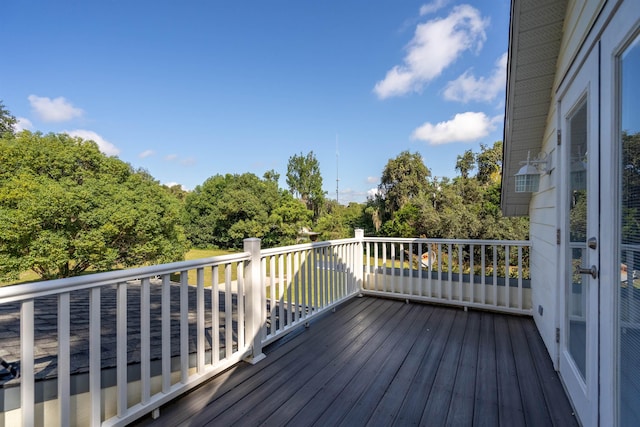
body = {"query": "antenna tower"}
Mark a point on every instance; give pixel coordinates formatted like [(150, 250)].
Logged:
[(337, 173)]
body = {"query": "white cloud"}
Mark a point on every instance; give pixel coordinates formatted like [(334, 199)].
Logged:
[(105, 146), (464, 127), (373, 192), (146, 153), (432, 7), (372, 179), (189, 161), (22, 124), (469, 88), (171, 157), (436, 44), (53, 110), (171, 184)]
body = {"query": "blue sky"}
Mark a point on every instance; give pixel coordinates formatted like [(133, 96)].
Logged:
[(190, 89)]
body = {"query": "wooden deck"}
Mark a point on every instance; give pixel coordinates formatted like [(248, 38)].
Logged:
[(383, 362)]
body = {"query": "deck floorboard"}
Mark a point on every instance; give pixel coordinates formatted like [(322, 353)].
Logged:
[(384, 362)]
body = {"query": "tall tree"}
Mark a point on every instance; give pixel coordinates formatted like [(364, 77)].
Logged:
[(489, 162), (465, 163), (7, 121), (305, 181), (65, 207), (403, 178)]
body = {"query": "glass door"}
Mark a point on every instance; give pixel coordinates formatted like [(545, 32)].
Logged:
[(580, 182), (628, 288)]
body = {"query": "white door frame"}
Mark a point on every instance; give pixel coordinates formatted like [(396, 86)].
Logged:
[(583, 393), (615, 38)]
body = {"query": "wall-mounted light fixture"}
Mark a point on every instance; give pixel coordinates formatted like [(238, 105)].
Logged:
[(528, 177)]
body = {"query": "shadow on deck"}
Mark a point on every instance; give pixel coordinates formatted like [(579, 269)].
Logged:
[(383, 362)]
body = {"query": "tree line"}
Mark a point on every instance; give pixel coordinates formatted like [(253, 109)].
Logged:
[(66, 208)]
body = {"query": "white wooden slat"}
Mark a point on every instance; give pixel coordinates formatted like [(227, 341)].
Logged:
[(421, 272), (289, 290), (440, 270), (483, 273), (281, 279), (303, 284), (145, 340), (402, 269), (272, 293), (368, 265), (316, 285), (121, 349), (200, 320), (27, 377), (242, 344), (95, 354), (184, 327), (64, 356), (376, 278), (520, 274), (215, 315), (166, 333), (394, 279), (507, 281), (296, 286), (495, 275), (450, 271), (472, 294), (228, 312), (460, 272)]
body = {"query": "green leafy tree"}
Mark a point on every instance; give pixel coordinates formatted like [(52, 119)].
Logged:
[(7, 121), (489, 162), (65, 207), (465, 163), (226, 209), (305, 181), (403, 179)]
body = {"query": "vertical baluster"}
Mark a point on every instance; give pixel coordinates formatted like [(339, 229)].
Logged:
[(440, 285), (472, 295), (290, 307), (450, 271), (367, 278), (495, 275), (240, 304), (281, 297), (296, 285), (27, 377), (200, 320), (520, 304), (483, 273), (145, 340), (166, 333), (272, 294), (402, 270), (215, 315), (228, 312), (64, 354), (393, 267), (460, 272), (121, 349), (184, 327), (95, 354), (376, 277), (430, 256), (507, 284), (303, 283)]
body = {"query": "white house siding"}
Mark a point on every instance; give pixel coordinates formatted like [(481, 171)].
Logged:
[(543, 212)]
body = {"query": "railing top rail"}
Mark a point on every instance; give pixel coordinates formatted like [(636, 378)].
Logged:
[(447, 241), (49, 287), (304, 247)]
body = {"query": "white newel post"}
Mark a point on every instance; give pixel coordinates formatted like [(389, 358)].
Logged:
[(254, 300), (358, 260)]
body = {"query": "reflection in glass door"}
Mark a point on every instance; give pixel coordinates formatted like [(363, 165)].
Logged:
[(629, 288), (576, 294)]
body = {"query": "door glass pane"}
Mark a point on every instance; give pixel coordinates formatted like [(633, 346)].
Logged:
[(577, 292), (629, 287)]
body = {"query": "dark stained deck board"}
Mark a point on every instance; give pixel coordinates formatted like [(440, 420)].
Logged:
[(485, 409), (384, 362), (509, 401), (382, 365), (460, 410), (397, 363)]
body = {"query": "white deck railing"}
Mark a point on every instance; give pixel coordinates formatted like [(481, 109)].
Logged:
[(153, 333), (486, 274)]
